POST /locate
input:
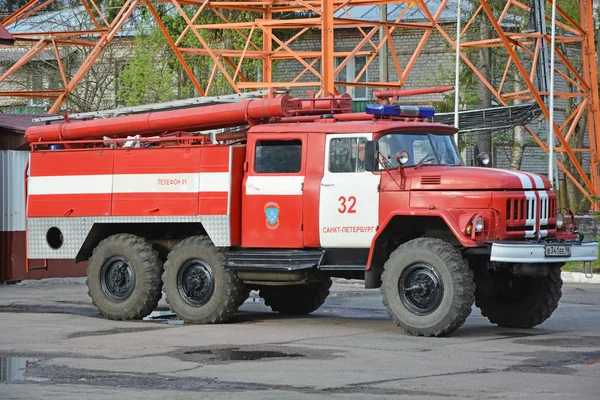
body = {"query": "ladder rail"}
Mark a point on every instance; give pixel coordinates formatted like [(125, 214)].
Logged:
[(193, 102)]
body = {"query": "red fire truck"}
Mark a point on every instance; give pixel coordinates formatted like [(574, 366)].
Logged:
[(280, 195)]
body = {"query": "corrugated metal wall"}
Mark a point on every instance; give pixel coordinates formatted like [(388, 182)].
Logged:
[(12, 195), (12, 227), (361, 105)]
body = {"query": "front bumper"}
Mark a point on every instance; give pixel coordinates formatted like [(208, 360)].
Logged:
[(534, 252)]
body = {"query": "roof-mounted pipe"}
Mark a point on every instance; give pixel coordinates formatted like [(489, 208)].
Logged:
[(157, 123)]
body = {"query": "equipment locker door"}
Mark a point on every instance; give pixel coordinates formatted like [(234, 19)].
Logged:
[(349, 201), (273, 185)]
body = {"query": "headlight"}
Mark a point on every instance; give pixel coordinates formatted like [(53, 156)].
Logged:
[(479, 224), (560, 220)]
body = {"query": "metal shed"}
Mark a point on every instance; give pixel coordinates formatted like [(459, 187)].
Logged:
[(14, 265), (5, 37), (12, 211)]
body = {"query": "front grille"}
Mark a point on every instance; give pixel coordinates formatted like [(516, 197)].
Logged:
[(526, 209), (525, 228), (519, 209), (529, 211)]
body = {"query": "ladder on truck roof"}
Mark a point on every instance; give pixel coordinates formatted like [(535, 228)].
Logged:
[(171, 105)]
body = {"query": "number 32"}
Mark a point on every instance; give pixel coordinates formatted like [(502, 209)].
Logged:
[(352, 202)]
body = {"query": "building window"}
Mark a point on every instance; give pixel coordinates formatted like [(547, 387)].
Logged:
[(278, 156), (38, 80), (347, 154), (349, 74)]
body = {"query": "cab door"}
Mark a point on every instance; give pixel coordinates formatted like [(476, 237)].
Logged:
[(273, 186), (349, 200)]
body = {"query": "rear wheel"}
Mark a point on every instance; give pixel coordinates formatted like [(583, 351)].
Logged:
[(123, 277), (198, 289), (521, 302), (427, 287), (296, 299)]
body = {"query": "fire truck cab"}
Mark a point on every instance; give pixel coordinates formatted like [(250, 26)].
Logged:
[(296, 199)]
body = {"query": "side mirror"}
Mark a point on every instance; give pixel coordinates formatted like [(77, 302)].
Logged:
[(371, 154)]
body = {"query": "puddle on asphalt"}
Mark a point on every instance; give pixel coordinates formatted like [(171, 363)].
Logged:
[(234, 354), (586, 359), (591, 362), (15, 369), (556, 362), (563, 342)]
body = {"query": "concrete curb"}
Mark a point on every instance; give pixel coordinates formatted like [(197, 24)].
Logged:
[(578, 277)]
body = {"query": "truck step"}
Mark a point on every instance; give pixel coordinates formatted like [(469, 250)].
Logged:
[(342, 267), (273, 260)]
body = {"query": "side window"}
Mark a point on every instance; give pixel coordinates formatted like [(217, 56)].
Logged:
[(278, 156), (347, 154)]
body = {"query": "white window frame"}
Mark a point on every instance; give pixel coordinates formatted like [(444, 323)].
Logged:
[(351, 75), (45, 85)]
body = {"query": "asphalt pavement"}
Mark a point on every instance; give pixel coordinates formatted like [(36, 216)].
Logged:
[(54, 344)]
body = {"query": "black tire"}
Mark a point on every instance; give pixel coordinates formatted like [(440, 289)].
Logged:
[(123, 277), (198, 289), (442, 287), (521, 302), (296, 299)]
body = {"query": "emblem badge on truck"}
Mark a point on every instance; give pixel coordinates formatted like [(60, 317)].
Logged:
[(272, 214)]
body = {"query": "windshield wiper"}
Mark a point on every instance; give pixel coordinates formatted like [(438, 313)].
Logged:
[(425, 161)]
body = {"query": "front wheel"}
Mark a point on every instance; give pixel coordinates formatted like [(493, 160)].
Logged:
[(428, 288), (521, 302), (198, 289)]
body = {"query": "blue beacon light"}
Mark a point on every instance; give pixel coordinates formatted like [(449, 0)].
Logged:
[(388, 110)]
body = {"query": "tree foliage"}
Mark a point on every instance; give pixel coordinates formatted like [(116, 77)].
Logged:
[(155, 74), (148, 78)]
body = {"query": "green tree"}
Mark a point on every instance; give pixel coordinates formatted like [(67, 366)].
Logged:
[(148, 78), (156, 75)]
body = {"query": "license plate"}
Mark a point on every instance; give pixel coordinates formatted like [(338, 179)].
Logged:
[(557, 251)]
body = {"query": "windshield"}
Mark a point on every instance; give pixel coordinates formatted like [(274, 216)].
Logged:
[(422, 148)]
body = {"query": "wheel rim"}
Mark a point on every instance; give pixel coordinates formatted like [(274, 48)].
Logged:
[(421, 288), (117, 278), (196, 282)]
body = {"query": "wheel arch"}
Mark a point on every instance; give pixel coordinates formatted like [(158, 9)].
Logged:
[(163, 236), (399, 228)]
